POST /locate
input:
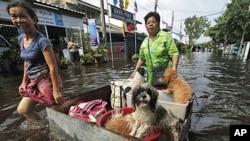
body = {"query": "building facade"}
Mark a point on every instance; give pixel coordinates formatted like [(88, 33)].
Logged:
[(61, 19)]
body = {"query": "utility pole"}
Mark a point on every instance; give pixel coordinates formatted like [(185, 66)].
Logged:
[(156, 4), (243, 35), (172, 23), (242, 39), (104, 33), (180, 31)]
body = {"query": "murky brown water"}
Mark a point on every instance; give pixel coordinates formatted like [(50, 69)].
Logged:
[(220, 84)]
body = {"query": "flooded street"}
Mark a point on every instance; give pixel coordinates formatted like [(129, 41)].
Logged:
[(221, 86)]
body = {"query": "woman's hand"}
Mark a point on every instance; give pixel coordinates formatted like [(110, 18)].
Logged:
[(175, 67), (22, 88), (58, 97)]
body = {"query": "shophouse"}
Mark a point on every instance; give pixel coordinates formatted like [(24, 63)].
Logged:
[(60, 19)]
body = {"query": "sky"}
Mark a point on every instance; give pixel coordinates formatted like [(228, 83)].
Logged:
[(178, 10)]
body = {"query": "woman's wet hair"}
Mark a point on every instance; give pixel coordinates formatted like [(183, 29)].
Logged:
[(153, 14), (25, 5)]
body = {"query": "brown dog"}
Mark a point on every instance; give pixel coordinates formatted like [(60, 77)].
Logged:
[(181, 90)]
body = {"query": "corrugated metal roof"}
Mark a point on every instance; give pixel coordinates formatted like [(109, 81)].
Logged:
[(53, 6)]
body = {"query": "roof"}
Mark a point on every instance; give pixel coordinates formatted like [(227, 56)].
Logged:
[(91, 6), (55, 7)]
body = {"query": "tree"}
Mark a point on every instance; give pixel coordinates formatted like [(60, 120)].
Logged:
[(230, 26), (218, 33), (195, 27)]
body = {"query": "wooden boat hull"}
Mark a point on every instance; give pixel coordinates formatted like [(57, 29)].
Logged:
[(65, 127)]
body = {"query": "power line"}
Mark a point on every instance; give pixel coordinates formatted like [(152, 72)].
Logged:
[(187, 11), (204, 15), (140, 6)]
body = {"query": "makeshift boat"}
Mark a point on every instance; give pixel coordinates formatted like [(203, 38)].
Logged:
[(65, 127)]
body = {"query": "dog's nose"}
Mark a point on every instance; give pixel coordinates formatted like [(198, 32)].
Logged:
[(144, 96)]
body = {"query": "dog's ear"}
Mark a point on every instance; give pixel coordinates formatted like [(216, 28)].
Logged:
[(135, 92), (154, 96), (169, 75), (141, 71)]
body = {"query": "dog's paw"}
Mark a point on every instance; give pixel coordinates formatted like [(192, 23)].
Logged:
[(165, 91)]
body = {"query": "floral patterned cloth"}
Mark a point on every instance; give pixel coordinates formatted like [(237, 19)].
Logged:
[(162, 49)]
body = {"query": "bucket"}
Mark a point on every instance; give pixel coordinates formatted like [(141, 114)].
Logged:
[(126, 110)]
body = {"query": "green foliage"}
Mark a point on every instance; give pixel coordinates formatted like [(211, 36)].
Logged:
[(64, 61), (186, 48), (135, 57), (230, 26), (87, 58), (218, 51), (86, 42), (206, 44), (91, 53), (15, 51), (100, 51), (195, 27)]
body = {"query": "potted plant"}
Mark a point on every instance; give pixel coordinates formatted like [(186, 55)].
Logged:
[(64, 63), (15, 51), (87, 58), (99, 54), (135, 57), (13, 55)]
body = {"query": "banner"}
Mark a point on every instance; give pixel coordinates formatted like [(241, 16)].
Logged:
[(93, 34), (123, 29), (115, 2), (126, 4), (135, 6)]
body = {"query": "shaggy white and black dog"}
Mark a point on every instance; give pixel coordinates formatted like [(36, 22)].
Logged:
[(147, 117), (137, 80)]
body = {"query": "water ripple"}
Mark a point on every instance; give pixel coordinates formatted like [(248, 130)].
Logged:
[(221, 86)]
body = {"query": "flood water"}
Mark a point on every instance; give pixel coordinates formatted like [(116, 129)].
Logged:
[(221, 86)]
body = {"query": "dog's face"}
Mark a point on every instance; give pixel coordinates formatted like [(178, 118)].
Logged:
[(169, 75), (144, 96)]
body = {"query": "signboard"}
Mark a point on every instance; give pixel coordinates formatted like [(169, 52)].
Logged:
[(72, 22), (93, 33), (46, 17), (122, 15), (49, 18)]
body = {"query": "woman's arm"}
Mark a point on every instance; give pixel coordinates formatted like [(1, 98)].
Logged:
[(173, 52), (70, 45), (25, 76), (25, 80), (51, 61), (139, 63), (175, 60)]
